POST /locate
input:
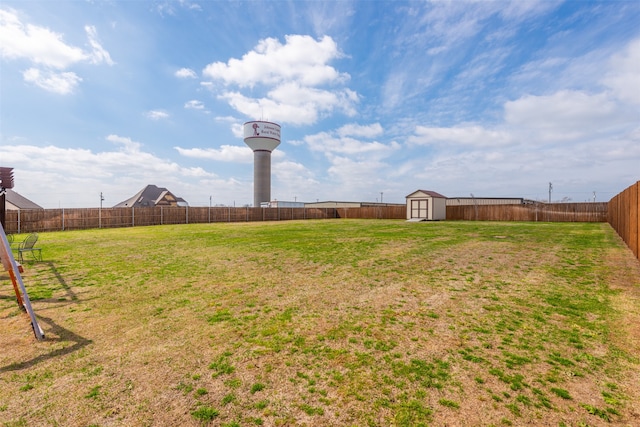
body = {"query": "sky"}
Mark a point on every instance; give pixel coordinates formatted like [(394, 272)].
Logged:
[(376, 99)]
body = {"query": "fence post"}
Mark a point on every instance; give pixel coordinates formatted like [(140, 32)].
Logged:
[(18, 221), (133, 217), (186, 214), (62, 219)]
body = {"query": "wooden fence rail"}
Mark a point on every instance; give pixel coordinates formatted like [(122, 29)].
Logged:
[(624, 216), (544, 212), (40, 220)]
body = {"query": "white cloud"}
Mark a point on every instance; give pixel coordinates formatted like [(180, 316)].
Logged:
[(356, 130), (194, 105), (37, 44), (238, 130), (474, 136), (525, 9), (563, 115), (157, 115), (293, 176), (71, 176), (328, 143), (128, 144), (624, 74), (226, 153), (301, 59), (293, 104), (99, 54), (47, 50), (356, 178), (61, 83), (285, 113), (293, 75), (355, 161), (186, 73)]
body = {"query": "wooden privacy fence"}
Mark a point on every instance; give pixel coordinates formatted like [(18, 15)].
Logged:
[(40, 220), (624, 217), (544, 212)]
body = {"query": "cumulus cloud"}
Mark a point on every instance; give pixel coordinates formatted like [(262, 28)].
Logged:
[(67, 173), (194, 105), (186, 73), (301, 59), (37, 44), (299, 86), (127, 143), (226, 153), (292, 175), (329, 143), (60, 83), (157, 115), (48, 52), (540, 137)]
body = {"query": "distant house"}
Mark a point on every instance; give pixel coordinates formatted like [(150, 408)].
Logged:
[(15, 202), (424, 205), (151, 196)]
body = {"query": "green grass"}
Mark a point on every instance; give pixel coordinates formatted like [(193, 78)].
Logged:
[(205, 413), (345, 322)]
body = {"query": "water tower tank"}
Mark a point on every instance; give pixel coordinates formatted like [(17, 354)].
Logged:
[(262, 138)]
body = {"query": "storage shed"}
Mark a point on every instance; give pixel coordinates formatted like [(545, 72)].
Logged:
[(423, 205)]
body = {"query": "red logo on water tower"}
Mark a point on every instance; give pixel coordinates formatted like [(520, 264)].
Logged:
[(255, 129)]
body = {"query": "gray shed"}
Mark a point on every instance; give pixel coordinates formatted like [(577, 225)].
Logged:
[(423, 205)]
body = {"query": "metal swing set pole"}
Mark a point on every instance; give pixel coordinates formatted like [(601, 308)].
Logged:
[(11, 266)]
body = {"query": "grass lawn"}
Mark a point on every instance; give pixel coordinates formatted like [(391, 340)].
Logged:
[(326, 323)]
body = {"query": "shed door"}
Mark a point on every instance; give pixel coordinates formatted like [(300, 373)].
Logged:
[(419, 208)]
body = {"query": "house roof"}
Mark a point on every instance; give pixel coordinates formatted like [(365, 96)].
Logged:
[(429, 193), (20, 201), (150, 196)]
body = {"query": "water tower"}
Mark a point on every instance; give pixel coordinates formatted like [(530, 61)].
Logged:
[(262, 138)]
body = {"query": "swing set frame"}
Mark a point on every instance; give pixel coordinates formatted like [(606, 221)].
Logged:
[(13, 268)]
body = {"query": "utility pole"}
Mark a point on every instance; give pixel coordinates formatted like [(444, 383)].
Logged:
[(550, 188), (100, 211), (381, 196), (594, 197)]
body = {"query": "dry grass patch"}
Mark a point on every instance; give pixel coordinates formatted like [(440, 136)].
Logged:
[(344, 322)]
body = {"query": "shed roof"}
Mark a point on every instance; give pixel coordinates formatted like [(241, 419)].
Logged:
[(429, 193)]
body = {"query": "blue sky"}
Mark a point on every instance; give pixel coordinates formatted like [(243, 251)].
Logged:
[(376, 99)]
